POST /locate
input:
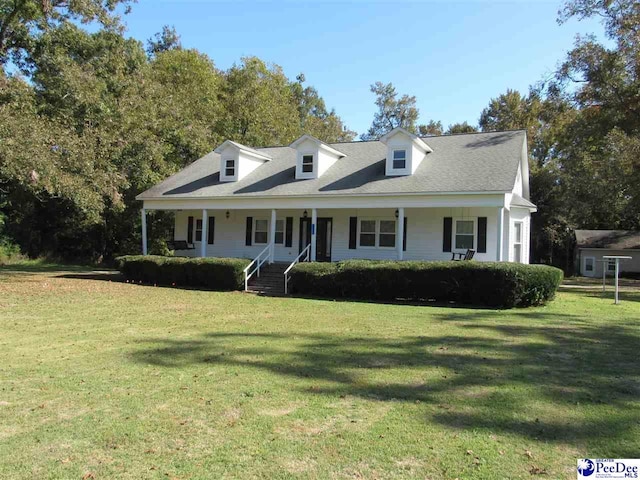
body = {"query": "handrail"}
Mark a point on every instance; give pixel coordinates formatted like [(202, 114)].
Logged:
[(306, 253), (259, 262)]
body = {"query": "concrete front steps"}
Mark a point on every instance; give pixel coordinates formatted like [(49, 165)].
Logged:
[(271, 280)]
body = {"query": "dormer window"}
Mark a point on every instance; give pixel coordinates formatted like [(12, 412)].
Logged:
[(405, 152), (313, 157), (230, 168), (307, 163), (238, 161), (399, 159)]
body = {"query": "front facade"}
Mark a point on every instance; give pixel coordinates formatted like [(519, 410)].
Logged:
[(400, 198), (593, 245)]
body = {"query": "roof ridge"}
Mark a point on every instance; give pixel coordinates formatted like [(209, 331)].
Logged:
[(422, 138)]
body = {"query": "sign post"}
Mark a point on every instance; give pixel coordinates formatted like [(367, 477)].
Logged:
[(617, 258)]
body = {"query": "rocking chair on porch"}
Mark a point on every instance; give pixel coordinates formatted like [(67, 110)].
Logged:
[(468, 255)]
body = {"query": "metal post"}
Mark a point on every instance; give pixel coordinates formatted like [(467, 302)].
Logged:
[(605, 265), (314, 231), (144, 231), (272, 233), (205, 235), (617, 265), (400, 232)]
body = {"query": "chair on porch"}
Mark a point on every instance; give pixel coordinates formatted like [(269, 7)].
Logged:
[(468, 255), (180, 245)]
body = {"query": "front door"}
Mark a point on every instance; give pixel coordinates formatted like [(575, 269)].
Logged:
[(589, 266), (323, 237)]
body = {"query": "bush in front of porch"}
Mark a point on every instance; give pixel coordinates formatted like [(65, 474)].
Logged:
[(209, 273), (490, 284)]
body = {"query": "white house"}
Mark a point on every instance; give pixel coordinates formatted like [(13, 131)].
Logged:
[(592, 245), (401, 198)]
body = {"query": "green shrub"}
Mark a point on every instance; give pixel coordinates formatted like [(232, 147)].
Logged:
[(9, 252), (210, 273), (504, 285)]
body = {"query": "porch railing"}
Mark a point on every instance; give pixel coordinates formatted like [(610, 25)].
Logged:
[(303, 257), (254, 266)]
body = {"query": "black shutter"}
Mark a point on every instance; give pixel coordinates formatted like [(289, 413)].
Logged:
[(211, 230), (288, 232), (404, 235), (482, 234), (249, 233), (190, 230), (447, 234), (353, 232)]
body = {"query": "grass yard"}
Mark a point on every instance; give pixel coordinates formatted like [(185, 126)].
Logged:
[(103, 379)]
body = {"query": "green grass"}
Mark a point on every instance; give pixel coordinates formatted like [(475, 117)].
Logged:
[(127, 381)]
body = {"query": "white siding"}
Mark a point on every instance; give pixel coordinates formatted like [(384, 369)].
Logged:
[(424, 232), (632, 265), (519, 215)]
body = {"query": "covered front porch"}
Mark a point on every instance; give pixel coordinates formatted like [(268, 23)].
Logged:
[(334, 234)]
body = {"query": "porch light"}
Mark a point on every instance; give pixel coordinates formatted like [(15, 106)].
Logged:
[(305, 214), (227, 214), (397, 213)]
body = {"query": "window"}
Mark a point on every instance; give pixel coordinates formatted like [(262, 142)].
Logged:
[(307, 164), (230, 168), (280, 232), (199, 230), (399, 159), (611, 266), (368, 233), (517, 242), (387, 233), (377, 233), (464, 234), (589, 263), (261, 231)]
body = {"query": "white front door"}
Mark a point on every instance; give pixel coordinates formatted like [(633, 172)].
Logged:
[(589, 266)]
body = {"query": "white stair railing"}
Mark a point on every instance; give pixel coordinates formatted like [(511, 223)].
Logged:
[(303, 257), (254, 266)]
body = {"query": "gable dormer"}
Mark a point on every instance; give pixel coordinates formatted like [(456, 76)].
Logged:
[(238, 161), (313, 157), (405, 151)]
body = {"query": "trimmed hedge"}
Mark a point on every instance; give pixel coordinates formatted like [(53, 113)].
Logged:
[(210, 273), (490, 284)]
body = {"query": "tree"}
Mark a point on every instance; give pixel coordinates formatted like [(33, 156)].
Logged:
[(432, 128), (314, 117), (23, 21), (392, 112), (463, 127), (259, 106), (167, 39)]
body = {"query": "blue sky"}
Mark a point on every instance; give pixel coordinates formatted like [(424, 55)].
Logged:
[(453, 56)]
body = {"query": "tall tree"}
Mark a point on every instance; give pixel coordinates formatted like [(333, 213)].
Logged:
[(314, 117), (23, 21), (392, 111), (463, 127), (167, 39), (259, 104), (431, 128)]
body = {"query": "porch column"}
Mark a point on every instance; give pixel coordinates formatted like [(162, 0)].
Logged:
[(144, 231), (400, 232), (272, 235), (314, 231), (205, 235), (500, 229)]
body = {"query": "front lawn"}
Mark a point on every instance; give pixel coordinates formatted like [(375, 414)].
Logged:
[(104, 379)]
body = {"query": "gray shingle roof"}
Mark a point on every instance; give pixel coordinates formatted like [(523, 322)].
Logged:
[(482, 162), (610, 239)]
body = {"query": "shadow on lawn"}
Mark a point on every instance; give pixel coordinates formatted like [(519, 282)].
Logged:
[(482, 381)]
